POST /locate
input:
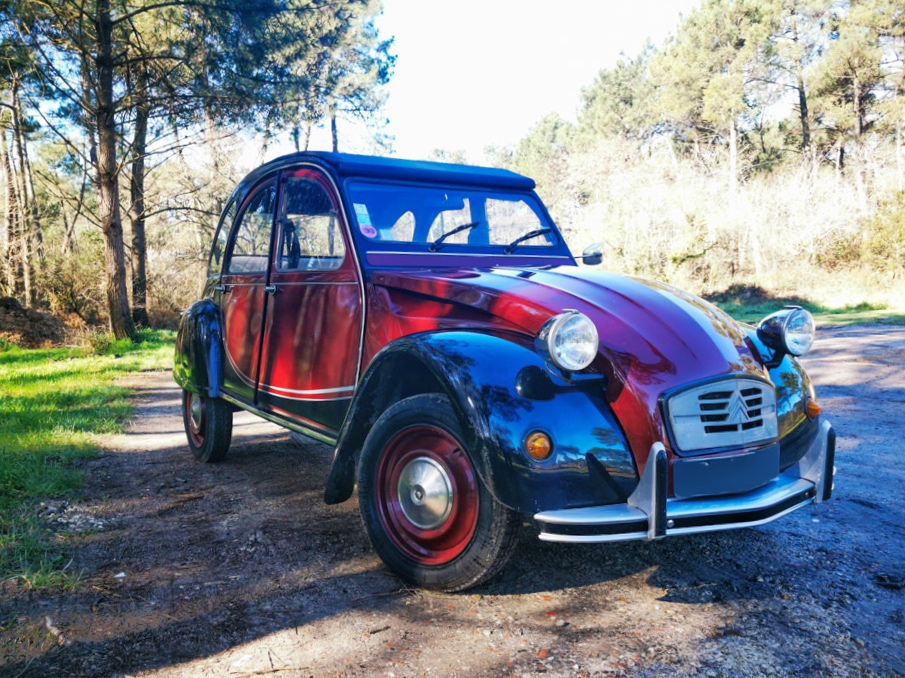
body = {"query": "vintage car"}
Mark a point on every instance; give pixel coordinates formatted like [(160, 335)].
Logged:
[(428, 321)]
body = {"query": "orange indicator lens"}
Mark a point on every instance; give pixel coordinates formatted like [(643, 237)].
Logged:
[(811, 408), (538, 445)]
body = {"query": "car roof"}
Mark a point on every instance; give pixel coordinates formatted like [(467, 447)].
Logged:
[(345, 165)]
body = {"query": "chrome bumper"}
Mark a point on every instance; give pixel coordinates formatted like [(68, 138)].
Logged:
[(648, 514)]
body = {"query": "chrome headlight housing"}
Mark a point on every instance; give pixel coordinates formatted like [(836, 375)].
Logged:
[(791, 330), (569, 340)]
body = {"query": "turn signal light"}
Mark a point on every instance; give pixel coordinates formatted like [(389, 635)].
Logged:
[(811, 408), (538, 445)]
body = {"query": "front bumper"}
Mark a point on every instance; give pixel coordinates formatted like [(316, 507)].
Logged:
[(648, 514)]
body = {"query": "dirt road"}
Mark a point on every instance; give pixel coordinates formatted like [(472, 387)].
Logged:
[(239, 569)]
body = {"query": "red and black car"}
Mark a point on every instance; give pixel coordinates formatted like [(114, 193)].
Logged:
[(429, 322)]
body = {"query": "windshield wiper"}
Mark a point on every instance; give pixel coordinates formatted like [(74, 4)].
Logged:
[(435, 245), (510, 248)]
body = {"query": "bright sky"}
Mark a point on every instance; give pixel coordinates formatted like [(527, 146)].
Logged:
[(474, 73)]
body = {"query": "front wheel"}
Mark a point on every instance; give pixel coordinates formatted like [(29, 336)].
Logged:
[(428, 515), (208, 426)]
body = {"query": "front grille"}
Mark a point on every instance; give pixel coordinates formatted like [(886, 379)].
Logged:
[(728, 413)]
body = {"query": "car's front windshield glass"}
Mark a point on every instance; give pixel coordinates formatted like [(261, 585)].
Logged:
[(428, 215)]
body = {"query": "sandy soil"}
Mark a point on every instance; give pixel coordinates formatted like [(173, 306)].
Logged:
[(240, 569)]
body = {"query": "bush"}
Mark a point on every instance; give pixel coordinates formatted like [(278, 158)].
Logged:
[(883, 247)]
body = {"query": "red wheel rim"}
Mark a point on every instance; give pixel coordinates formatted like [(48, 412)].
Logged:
[(195, 415), (435, 526)]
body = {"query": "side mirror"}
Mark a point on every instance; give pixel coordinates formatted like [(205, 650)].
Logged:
[(592, 255)]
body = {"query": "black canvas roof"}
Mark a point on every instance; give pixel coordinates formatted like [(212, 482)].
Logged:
[(344, 165)]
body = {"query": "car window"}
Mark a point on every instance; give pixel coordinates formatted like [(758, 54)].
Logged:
[(510, 219), (449, 219), (422, 214), (221, 235), (310, 239), (251, 243)]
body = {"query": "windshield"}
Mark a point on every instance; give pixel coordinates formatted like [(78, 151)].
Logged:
[(429, 215)]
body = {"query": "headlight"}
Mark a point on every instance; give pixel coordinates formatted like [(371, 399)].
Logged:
[(569, 340), (790, 330)]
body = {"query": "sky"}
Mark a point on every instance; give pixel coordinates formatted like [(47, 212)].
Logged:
[(475, 73)]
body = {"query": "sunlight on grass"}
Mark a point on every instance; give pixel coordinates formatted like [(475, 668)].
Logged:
[(750, 304), (52, 404)]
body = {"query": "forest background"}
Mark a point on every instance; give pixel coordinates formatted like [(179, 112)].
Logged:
[(761, 145)]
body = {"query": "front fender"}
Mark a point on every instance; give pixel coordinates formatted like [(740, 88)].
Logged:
[(196, 365), (481, 374), (797, 431)]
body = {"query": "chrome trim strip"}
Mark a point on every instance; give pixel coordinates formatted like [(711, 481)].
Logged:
[(801, 484), (425, 253), (314, 391), (781, 488), (311, 432), (638, 536), (309, 284), (282, 393)]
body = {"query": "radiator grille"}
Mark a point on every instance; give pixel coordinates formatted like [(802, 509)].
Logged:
[(729, 413)]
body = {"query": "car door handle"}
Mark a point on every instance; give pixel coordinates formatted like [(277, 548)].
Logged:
[(223, 288), (271, 289)]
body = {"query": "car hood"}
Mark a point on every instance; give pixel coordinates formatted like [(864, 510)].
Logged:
[(653, 337)]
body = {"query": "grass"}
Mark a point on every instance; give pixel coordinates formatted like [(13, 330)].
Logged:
[(53, 402), (750, 303)]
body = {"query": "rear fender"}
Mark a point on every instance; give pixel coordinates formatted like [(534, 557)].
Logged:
[(484, 377), (197, 364)]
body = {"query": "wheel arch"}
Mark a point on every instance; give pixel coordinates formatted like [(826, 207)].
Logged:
[(380, 388), (478, 372), (197, 365)]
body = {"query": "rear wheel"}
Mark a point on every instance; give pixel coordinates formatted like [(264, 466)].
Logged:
[(208, 426), (426, 511)]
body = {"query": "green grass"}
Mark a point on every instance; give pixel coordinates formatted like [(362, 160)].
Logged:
[(53, 402), (749, 304)]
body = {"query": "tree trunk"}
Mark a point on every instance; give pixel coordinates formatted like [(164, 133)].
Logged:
[(802, 95), (733, 162), (10, 223), (137, 207), (108, 182), (34, 237), (29, 225), (69, 243), (900, 155), (87, 122), (803, 112), (333, 133)]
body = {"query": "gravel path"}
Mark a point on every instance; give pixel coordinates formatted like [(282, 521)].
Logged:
[(239, 569)]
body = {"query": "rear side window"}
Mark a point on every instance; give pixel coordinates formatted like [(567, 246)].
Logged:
[(221, 235), (251, 242)]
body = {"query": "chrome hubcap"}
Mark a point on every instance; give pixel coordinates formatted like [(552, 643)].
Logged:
[(425, 493), (195, 410)]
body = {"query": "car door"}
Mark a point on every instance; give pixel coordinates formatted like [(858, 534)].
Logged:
[(242, 298), (312, 330)]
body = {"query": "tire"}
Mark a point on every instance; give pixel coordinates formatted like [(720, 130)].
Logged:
[(426, 511), (208, 426)]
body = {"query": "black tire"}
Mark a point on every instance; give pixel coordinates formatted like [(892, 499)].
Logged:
[(208, 426), (426, 511)]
